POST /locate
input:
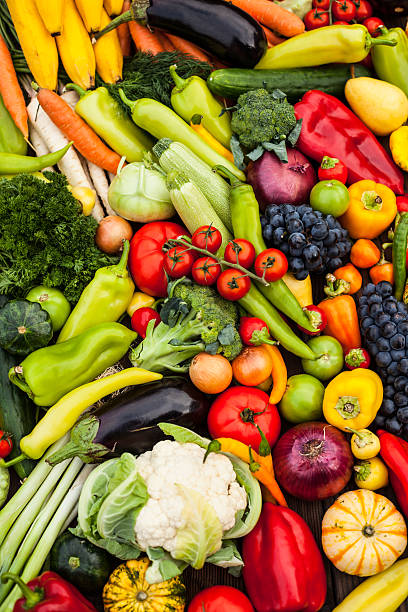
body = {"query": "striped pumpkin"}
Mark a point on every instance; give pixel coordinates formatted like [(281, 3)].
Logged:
[(363, 533), (128, 591)]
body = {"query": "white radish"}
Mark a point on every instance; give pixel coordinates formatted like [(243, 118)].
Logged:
[(38, 144), (71, 98), (101, 184)]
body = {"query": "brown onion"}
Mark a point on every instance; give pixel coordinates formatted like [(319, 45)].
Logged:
[(210, 373), (111, 232)]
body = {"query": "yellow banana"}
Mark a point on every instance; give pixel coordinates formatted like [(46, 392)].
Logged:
[(113, 7), (91, 13), (75, 48), (51, 14), (36, 42), (108, 54)]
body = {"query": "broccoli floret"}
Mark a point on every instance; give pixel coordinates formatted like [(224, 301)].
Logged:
[(261, 116), (194, 319)]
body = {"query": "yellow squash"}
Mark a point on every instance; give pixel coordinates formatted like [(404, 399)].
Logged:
[(108, 54), (38, 45), (113, 7), (399, 147), (363, 533), (128, 591), (91, 13), (51, 14), (75, 48)]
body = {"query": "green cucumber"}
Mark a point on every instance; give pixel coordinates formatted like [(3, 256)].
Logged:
[(331, 78)]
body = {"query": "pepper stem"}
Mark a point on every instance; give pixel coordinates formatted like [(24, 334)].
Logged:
[(355, 431), (336, 286), (32, 597), (180, 83), (125, 100), (381, 40), (18, 459), (120, 268), (222, 170), (80, 90)]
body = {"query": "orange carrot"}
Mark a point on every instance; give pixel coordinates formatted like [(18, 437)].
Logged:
[(74, 128), (273, 16), (124, 34), (167, 45), (11, 91), (187, 47), (272, 38), (144, 39)]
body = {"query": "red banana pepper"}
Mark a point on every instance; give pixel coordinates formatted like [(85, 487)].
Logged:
[(394, 451), (330, 128), (49, 593), (283, 569)]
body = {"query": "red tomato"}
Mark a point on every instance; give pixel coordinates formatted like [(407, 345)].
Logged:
[(238, 411), (402, 203), (178, 261), (316, 19), (344, 10), (218, 598), (240, 249), (146, 257), (206, 270), (208, 238), (332, 168), (373, 25), (6, 444), (364, 10), (233, 284), (368, 62), (271, 265), (142, 317), (340, 23), (324, 5)]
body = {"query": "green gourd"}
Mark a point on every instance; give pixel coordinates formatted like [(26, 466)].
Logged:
[(24, 327)]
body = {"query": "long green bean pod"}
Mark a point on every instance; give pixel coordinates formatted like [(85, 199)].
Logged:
[(399, 249)]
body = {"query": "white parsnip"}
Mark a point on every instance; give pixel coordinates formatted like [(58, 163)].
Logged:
[(101, 184), (38, 143), (71, 98)]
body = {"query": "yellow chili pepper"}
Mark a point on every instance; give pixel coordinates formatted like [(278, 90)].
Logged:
[(209, 138), (371, 210), (279, 373), (63, 415), (364, 443), (384, 592), (352, 399), (139, 300), (399, 147), (302, 290), (371, 474)]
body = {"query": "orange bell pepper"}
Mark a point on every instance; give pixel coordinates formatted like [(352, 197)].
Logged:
[(383, 271), (342, 318), (371, 210), (364, 253), (351, 275)]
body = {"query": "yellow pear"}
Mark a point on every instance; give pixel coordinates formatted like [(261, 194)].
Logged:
[(381, 106)]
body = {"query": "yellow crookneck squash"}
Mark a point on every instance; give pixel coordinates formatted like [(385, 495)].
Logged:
[(363, 533), (128, 591)]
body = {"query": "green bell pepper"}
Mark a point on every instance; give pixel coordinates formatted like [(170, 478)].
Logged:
[(11, 139), (192, 97), (50, 372), (110, 122), (391, 63)]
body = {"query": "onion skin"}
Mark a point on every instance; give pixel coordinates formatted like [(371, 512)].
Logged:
[(210, 373), (275, 182), (110, 234), (310, 471)]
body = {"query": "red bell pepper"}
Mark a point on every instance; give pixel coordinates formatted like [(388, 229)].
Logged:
[(394, 451), (283, 569), (49, 593), (146, 256), (330, 128)]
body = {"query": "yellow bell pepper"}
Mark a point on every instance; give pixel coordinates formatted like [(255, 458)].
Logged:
[(139, 300), (85, 196), (371, 474), (399, 147), (384, 592), (371, 210), (302, 290), (364, 443), (352, 399)]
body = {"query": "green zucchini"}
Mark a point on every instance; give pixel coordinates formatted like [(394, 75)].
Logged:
[(331, 78)]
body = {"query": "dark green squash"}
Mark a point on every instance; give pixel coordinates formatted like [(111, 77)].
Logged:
[(80, 562), (24, 327)]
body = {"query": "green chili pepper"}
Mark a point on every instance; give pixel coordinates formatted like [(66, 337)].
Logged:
[(49, 373), (104, 299), (162, 122), (11, 139), (399, 250), (246, 224), (4, 484), (391, 63), (192, 97), (344, 44), (20, 164), (110, 122)]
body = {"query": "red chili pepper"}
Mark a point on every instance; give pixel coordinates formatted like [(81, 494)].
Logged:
[(283, 568), (394, 451), (318, 319), (331, 169), (330, 128), (49, 593), (254, 331), (402, 203), (141, 319), (357, 358)]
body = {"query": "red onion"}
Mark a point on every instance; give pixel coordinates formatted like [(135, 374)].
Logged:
[(313, 461), (275, 182)]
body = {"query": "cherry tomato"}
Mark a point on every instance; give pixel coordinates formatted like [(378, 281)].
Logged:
[(402, 203), (217, 598), (364, 10), (206, 270), (233, 284), (323, 5), (241, 250), (316, 19), (373, 25), (179, 261), (332, 169), (271, 265), (6, 444), (344, 10), (142, 317), (207, 237)]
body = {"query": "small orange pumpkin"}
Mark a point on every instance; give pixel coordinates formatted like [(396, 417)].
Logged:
[(363, 533)]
